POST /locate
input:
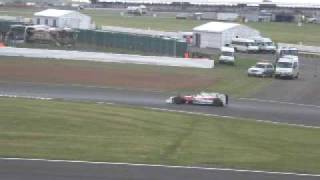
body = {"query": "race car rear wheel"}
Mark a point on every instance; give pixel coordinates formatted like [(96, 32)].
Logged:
[(178, 100), (217, 102)]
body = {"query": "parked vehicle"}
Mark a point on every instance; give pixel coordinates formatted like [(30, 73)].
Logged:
[(186, 36), (245, 45), (41, 34), (311, 20), (265, 44), (204, 98), (227, 55), (287, 66), (261, 69), (137, 10), (287, 51)]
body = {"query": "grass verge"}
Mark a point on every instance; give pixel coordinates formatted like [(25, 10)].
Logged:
[(279, 32), (290, 32), (93, 132), (223, 78)]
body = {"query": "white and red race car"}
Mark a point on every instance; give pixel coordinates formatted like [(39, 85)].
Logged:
[(204, 98)]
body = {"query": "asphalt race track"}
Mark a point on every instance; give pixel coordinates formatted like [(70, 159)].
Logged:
[(43, 170), (305, 111), (307, 115), (303, 115)]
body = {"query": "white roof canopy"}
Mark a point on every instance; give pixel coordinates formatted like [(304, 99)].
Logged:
[(215, 26), (53, 13)]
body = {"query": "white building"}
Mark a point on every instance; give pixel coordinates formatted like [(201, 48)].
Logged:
[(218, 34), (62, 19)]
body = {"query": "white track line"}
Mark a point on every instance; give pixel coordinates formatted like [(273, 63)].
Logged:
[(164, 166), (179, 111), (26, 97), (279, 102), (233, 117), (107, 103)]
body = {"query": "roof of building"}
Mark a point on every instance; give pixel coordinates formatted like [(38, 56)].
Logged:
[(53, 13), (215, 26)]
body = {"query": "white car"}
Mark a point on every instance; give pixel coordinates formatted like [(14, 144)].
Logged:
[(203, 98), (261, 69)]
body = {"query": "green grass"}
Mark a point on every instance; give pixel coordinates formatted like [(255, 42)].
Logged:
[(225, 78), (23, 12), (290, 32), (85, 131), (144, 22), (234, 80), (279, 32)]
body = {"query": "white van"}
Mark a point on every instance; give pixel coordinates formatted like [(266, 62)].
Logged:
[(265, 44), (287, 66), (287, 51), (244, 45), (227, 55)]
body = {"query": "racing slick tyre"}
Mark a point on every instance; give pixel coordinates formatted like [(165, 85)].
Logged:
[(178, 100), (217, 102)]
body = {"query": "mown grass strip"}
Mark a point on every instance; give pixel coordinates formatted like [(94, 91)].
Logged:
[(96, 132)]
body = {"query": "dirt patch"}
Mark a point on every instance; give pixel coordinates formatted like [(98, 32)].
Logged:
[(67, 73)]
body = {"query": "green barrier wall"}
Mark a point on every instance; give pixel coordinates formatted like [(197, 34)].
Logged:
[(130, 42), (150, 45), (5, 25)]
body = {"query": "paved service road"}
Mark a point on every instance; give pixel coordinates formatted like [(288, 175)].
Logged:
[(246, 108), (42, 170)]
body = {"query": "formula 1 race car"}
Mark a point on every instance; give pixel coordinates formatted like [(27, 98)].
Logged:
[(204, 98)]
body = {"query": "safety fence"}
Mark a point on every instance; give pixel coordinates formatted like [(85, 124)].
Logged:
[(5, 25), (133, 42), (126, 42)]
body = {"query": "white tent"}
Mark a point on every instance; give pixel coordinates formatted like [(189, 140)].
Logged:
[(62, 19), (218, 34)]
